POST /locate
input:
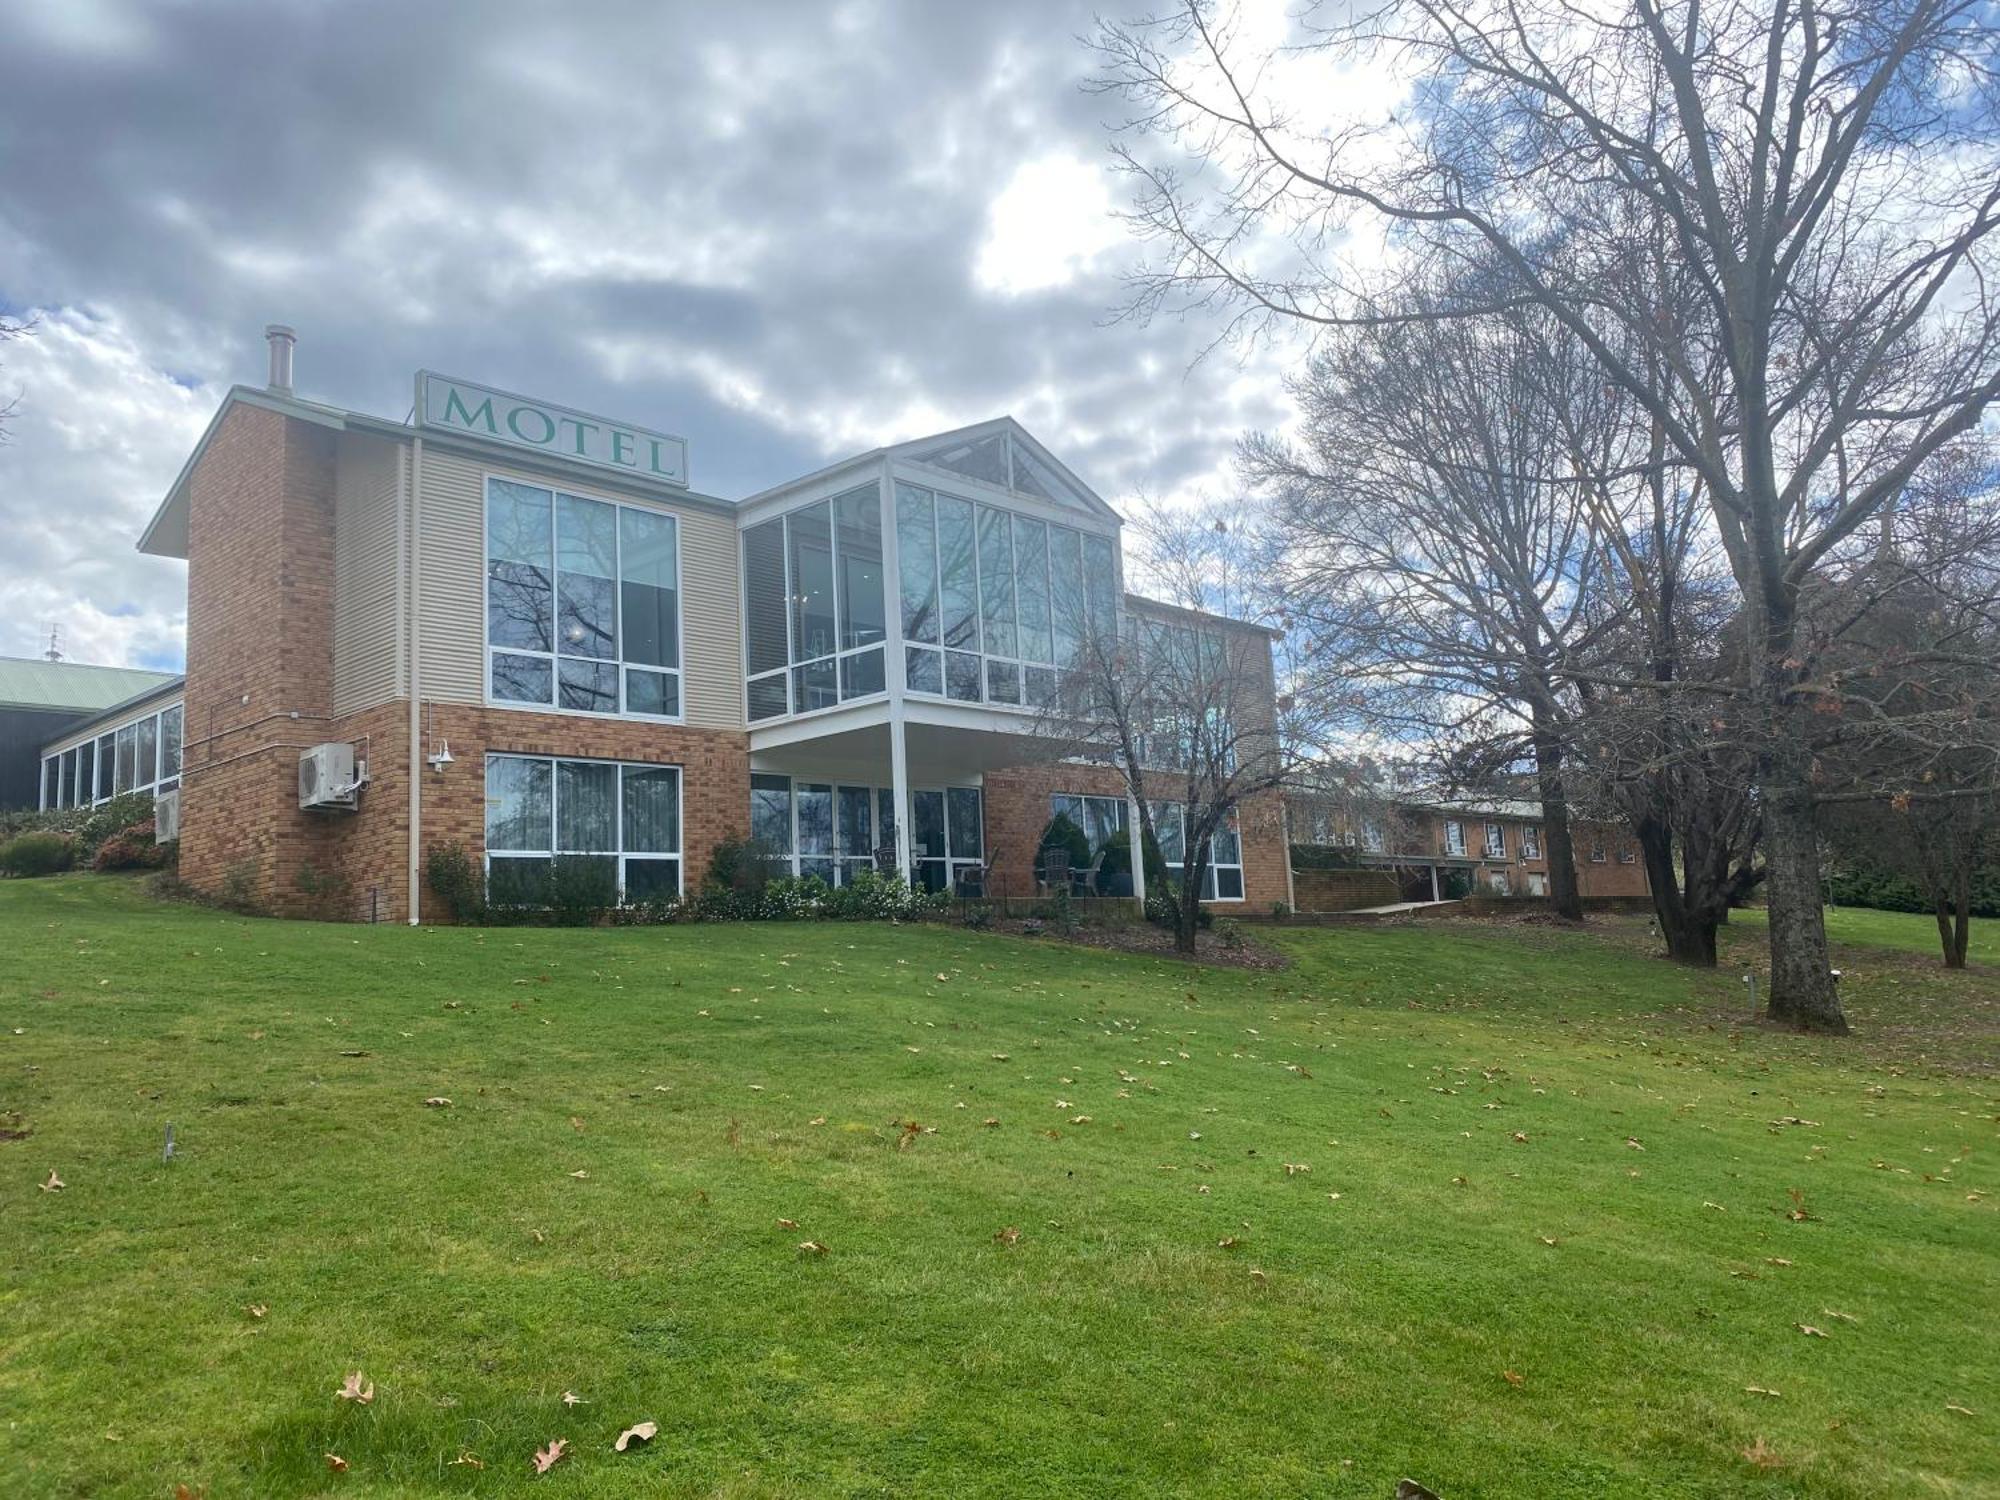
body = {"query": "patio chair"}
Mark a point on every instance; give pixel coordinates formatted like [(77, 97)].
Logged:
[(885, 859), (1055, 870)]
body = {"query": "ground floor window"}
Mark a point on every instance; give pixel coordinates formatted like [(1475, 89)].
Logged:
[(834, 830), (1223, 879), (141, 756), (1103, 822), (626, 816)]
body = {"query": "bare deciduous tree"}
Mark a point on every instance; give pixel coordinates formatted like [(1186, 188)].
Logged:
[(1436, 546), (1826, 174)]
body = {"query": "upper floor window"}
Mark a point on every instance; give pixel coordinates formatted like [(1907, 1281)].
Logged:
[(993, 602), (1454, 836), (1371, 835), (1496, 841), (582, 603), (813, 608), (1597, 851), (1531, 841)]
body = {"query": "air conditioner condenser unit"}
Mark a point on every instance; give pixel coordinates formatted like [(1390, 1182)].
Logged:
[(326, 777)]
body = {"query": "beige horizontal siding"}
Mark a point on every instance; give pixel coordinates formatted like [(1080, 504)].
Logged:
[(454, 599), (368, 635)]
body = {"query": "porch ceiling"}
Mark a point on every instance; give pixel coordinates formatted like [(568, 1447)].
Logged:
[(938, 754)]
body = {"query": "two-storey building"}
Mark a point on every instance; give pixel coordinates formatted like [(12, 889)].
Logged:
[(518, 628)]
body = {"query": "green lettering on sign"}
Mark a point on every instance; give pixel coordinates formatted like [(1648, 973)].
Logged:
[(454, 403), (548, 425)]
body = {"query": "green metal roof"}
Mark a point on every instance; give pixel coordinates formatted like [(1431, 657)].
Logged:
[(72, 687)]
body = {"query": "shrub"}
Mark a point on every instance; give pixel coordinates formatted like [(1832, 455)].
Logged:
[(123, 814), (582, 888), (1163, 908), (1279, 911), (1229, 933), (742, 867), (133, 849), (43, 853), (456, 882), (978, 917), (239, 889)]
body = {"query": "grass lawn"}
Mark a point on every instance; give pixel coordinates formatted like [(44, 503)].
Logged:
[(1504, 1208)]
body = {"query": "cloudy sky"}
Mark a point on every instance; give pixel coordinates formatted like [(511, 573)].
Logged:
[(788, 232)]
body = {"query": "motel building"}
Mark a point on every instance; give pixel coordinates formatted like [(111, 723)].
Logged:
[(520, 629)]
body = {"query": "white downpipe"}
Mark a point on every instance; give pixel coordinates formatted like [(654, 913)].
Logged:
[(899, 787), (416, 678)]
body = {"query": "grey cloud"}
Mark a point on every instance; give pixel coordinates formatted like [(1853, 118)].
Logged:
[(648, 211)]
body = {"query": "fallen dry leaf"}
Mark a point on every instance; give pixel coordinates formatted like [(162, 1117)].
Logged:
[(1758, 1390), (576, 1123), (1227, 1242), (547, 1458), (571, 1398), (1293, 1168), (256, 1309), (989, 1122), (1633, 1142), (468, 1460), (354, 1388), (1963, 1411), (812, 1247), (1512, 1379), (55, 1184), (788, 1223), (638, 1432), (1776, 1260), (580, 1176), (437, 1101), (1521, 1137), (336, 1463), (1008, 1236), (1809, 1331), (1761, 1456)]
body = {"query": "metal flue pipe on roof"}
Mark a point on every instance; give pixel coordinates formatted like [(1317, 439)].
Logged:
[(282, 341)]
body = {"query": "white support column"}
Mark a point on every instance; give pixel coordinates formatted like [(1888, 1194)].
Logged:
[(899, 786), (1138, 852), (1435, 895)]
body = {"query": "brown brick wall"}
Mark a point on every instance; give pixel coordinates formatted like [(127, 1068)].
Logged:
[(260, 652), (715, 772), (1017, 810)]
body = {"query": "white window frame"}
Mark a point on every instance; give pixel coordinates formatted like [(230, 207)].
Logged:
[(1628, 852), (891, 600), (554, 657), (1496, 839), (679, 856), (1022, 664), (1211, 882), (1372, 841), (1531, 842), (793, 859), (104, 786), (1454, 837), (1597, 851)]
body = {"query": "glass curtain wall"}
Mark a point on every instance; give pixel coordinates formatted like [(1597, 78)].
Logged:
[(833, 830), (815, 619), (994, 603)]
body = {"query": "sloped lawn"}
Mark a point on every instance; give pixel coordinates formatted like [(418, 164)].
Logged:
[(1515, 1211)]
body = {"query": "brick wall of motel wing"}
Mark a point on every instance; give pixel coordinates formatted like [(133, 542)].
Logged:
[(1017, 808), (715, 772)]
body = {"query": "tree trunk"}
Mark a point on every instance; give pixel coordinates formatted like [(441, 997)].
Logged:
[(1564, 898), (1954, 955), (1803, 993), (1686, 925)]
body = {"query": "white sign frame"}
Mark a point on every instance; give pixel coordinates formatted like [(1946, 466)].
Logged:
[(547, 428)]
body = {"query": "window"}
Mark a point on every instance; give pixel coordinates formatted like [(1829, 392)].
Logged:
[(993, 602), (582, 603), (1102, 820), (1223, 879), (1597, 851), (1627, 854), (1531, 842), (1496, 882), (1371, 835), (813, 608), (1454, 836), (1496, 841), (820, 829), (628, 816)]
